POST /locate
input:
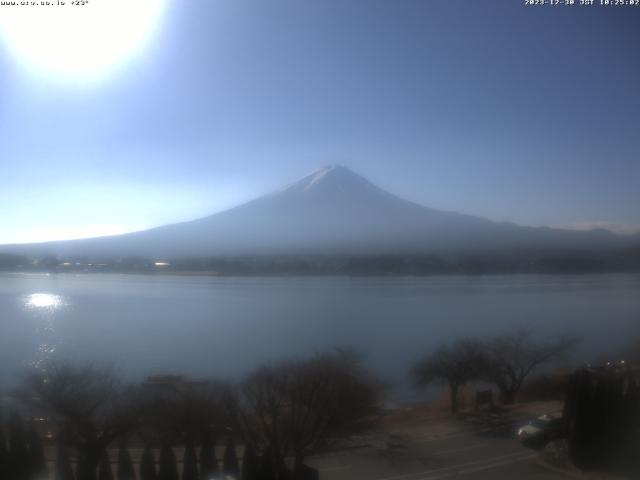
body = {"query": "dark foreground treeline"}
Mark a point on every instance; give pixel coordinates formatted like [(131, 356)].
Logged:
[(276, 417), (263, 428), (602, 419), (279, 414), (627, 260)]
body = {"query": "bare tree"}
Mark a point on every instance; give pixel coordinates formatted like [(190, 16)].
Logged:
[(230, 464), (104, 468), (89, 404), (454, 365), (37, 459), (330, 397), (18, 447), (190, 461), (514, 355), (148, 465), (208, 460), (4, 454), (295, 407), (63, 469), (126, 469), (250, 464), (183, 410), (167, 464)]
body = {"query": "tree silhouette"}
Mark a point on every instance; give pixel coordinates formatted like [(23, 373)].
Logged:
[(454, 365), (85, 468), (208, 460), (148, 465), (4, 455), (268, 467), (63, 469), (602, 415), (293, 408), (125, 464), (18, 449), (230, 465), (250, 464), (190, 461), (168, 466), (514, 355), (37, 461), (104, 468), (90, 404), (177, 407)]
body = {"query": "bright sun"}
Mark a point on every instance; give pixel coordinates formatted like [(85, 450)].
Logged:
[(73, 40)]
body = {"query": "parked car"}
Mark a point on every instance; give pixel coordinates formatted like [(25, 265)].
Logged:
[(542, 430)]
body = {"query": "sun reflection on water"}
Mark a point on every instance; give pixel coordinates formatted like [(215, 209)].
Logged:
[(43, 301), (44, 307)]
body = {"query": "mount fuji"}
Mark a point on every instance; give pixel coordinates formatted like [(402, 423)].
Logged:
[(330, 211)]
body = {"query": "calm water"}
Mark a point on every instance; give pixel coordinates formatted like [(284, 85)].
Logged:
[(209, 326)]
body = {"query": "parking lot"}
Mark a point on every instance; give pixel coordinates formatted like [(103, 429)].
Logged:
[(438, 448)]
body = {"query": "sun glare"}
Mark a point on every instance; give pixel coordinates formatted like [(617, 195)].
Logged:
[(43, 300), (77, 40)]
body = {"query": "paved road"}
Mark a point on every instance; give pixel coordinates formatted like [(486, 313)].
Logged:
[(437, 450)]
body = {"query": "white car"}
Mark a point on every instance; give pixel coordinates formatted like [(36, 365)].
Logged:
[(542, 429)]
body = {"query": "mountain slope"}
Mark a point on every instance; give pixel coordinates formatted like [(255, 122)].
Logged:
[(330, 211)]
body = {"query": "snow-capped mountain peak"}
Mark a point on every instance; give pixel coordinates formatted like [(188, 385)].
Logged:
[(332, 179)]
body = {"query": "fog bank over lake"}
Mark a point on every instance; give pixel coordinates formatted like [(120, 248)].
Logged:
[(225, 326)]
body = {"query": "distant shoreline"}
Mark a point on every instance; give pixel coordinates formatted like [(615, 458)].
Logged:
[(309, 275), (352, 265)]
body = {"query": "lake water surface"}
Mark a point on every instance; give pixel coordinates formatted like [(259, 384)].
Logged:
[(223, 327)]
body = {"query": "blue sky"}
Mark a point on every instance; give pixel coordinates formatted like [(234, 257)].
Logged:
[(481, 106)]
